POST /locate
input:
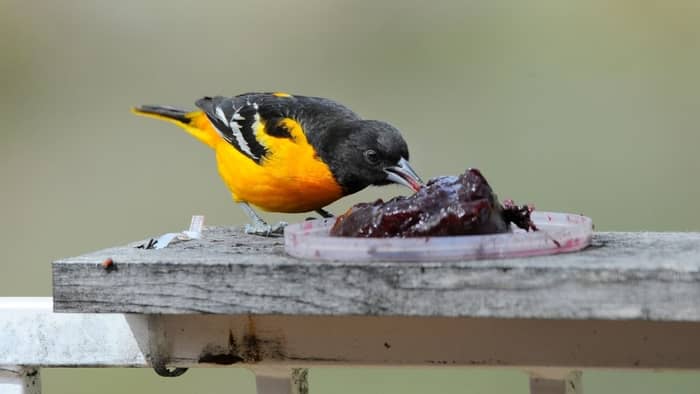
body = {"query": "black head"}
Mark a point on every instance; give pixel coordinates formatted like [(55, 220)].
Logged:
[(367, 152)]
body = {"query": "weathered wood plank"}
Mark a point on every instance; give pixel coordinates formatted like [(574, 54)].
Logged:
[(654, 276)]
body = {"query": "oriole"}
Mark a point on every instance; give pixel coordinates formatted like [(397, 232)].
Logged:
[(289, 153)]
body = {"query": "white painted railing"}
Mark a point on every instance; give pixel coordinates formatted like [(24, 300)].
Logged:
[(279, 349), (628, 302), (35, 337)]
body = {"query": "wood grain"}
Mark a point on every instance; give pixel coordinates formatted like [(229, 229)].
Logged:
[(652, 276)]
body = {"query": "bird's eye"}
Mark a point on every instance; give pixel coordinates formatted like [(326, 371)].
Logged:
[(371, 156)]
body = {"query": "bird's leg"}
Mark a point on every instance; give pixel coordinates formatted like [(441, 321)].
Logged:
[(259, 226), (324, 214)]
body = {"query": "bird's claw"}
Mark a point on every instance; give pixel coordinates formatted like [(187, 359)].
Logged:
[(266, 230)]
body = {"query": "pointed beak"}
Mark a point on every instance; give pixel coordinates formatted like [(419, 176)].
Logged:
[(403, 174)]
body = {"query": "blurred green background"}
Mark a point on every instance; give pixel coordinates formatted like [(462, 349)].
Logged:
[(589, 107)]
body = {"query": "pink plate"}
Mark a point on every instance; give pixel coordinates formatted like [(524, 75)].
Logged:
[(559, 233)]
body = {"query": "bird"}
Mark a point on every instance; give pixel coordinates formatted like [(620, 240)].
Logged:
[(289, 153)]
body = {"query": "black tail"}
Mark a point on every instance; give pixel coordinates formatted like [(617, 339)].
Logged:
[(163, 111)]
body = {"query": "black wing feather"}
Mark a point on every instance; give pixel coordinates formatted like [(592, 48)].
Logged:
[(235, 117), (236, 124)]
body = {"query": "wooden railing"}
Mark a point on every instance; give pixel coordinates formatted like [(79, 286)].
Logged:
[(630, 301)]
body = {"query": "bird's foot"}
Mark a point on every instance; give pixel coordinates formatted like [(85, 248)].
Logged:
[(266, 230)]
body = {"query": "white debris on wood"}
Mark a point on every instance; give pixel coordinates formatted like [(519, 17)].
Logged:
[(194, 232)]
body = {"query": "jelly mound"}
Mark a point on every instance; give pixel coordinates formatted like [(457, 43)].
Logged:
[(446, 205)]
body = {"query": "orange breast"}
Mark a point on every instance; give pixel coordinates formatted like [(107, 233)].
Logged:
[(291, 179)]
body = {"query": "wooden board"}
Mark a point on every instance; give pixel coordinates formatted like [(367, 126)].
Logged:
[(653, 276)]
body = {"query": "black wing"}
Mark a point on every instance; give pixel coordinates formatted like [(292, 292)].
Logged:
[(238, 118), (236, 124)]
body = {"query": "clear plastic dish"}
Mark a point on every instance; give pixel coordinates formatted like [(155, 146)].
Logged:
[(559, 233)]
